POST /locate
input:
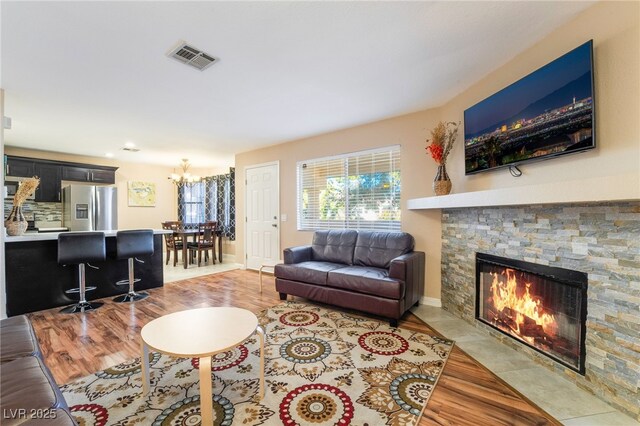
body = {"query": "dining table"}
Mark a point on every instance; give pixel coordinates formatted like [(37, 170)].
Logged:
[(185, 233)]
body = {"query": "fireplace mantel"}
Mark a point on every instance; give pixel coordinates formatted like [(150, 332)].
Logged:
[(600, 189)]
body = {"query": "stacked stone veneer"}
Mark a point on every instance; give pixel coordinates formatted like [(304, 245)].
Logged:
[(602, 240)]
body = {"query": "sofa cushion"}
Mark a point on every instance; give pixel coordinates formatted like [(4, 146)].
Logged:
[(334, 246), (18, 339), (308, 272), (368, 280), (27, 383), (378, 249)]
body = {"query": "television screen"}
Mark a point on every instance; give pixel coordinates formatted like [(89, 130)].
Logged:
[(545, 114)]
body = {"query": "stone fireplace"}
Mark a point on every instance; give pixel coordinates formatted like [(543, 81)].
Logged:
[(540, 306), (599, 240)]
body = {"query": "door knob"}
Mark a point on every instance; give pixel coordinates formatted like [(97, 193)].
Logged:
[(275, 225)]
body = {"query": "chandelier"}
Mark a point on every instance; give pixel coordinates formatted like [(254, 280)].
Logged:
[(186, 177)]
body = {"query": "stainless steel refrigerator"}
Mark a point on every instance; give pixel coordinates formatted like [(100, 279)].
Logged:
[(90, 208)]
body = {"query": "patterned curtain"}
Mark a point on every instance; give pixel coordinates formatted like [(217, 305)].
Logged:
[(214, 198), (220, 202)]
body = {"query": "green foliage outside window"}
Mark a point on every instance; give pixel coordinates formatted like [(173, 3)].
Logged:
[(365, 200)]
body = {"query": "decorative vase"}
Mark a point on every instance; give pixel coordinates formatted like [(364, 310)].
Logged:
[(16, 224), (441, 183)]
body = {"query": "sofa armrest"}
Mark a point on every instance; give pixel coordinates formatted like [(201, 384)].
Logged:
[(297, 254), (410, 269)]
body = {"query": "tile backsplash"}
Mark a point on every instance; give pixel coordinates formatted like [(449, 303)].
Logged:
[(44, 212)]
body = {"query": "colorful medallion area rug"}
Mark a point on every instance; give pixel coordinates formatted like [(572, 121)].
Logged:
[(322, 367)]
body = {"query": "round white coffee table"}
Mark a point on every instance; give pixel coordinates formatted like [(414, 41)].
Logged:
[(200, 333)]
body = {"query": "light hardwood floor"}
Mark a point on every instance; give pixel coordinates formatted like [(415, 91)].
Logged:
[(76, 345)]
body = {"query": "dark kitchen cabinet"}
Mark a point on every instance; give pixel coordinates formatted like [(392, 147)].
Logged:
[(87, 174), (78, 174), (20, 167), (103, 176), (52, 173), (50, 181)]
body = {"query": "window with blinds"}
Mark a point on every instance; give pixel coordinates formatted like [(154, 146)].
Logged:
[(191, 198), (360, 190)]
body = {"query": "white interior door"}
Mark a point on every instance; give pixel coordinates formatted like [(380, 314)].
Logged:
[(262, 213)]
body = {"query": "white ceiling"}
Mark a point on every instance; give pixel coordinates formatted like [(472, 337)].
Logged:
[(87, 77)]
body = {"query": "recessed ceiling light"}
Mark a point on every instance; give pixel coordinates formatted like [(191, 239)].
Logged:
[(130, 146), (109, 155)]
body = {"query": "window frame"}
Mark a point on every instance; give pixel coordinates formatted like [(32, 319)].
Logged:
[(199, 205)]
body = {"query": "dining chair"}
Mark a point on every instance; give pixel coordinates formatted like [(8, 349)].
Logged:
[(172, 242), (206, 239)]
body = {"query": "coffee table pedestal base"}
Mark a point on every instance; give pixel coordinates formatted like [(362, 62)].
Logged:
[(206, 383)]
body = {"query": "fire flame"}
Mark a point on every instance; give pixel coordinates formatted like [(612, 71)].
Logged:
[(504, 295)]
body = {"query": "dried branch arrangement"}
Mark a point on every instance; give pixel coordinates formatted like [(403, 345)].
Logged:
[(443, 136), (26, 188)]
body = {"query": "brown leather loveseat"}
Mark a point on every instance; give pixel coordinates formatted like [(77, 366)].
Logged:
[(28, 393), (375, 272)]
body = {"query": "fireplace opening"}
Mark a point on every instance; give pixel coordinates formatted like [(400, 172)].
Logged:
[(541, 306)]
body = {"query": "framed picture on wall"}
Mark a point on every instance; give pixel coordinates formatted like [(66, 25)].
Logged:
[(141, 194)]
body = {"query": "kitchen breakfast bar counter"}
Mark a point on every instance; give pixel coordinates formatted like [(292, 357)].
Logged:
[(35, 281)]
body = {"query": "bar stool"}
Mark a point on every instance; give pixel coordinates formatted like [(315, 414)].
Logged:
[(80, 248), (130, 244)]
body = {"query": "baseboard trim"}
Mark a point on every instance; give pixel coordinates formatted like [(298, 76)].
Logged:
[(431, 301), (228, 258)]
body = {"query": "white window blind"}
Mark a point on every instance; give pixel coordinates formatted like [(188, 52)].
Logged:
[(191, 200), (360, 190)]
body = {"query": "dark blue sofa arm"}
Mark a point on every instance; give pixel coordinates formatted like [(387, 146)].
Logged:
[(410, 269), (297, 254)]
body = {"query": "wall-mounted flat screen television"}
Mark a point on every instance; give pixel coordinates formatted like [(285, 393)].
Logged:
[(548, 113)]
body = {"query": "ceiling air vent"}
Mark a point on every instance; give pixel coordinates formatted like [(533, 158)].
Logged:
[(126, 148), (189, 55)]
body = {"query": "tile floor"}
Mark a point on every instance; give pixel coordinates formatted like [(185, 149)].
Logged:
[(559, 397), (177, 273)]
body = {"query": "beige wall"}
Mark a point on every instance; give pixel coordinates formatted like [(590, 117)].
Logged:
[(615, 30), (417, 170), (204, 171), (614, 27), (128, 217)]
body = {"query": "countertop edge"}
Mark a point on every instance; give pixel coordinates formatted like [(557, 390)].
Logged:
[(50, 236)]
